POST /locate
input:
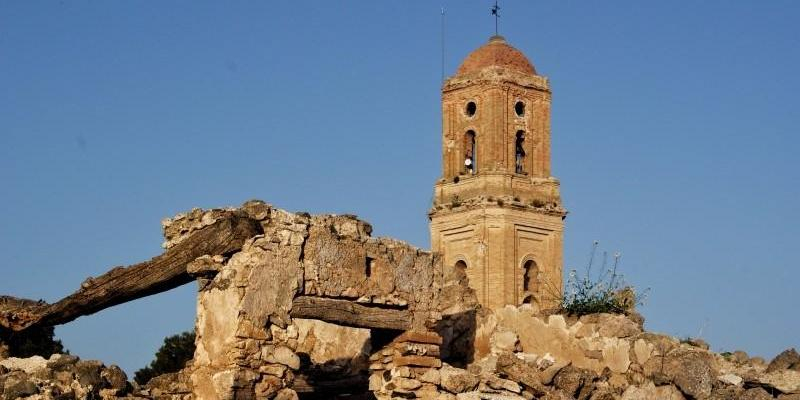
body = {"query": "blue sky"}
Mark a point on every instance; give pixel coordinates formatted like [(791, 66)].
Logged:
[(674, 136)]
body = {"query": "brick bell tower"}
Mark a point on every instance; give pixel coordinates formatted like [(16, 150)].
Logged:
[(497, 211)]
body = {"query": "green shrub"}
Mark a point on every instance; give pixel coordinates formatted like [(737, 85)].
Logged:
[(604, 293), (32, 342), (171, 357)]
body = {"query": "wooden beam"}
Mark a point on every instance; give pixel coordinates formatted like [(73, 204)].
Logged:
[(348, 313), (333, 385), (123, 284)]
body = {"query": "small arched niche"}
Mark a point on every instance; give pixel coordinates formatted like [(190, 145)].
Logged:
[(461, 271)]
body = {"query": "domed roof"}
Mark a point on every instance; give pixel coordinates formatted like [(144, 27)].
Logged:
[(496, 53)]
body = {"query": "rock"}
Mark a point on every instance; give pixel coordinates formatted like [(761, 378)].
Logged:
[(661, 344), (612, 325), (546, 376), (731, 379), (457, 380), (431, 376), (503, 384), (556, 395), (545, 361), (285, 356), (87, 373), (273, 369), (649, 391), (407, 384), (787, 381), (286, 394), (17, 385), (173, 382), (603, 394), (518, 371), (740, 357), (504, 340), (115, 378), (727, 393), (789, 397), (618, 381), (268, 387), (30, 365), (758, 362), (642, 350), (689, 369), (756, 394), (570, 379), (788, 359), (61, 362), (697, 342)]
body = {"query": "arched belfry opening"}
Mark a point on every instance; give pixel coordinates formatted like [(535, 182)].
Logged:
[(519, 152), (470, 156)]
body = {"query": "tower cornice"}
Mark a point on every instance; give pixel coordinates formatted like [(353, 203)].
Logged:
[(496, 76)]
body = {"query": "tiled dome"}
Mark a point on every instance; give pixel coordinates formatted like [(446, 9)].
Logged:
[(496, 53)]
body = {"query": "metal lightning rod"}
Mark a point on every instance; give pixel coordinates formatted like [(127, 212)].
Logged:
[(442, 44), (496, 13)]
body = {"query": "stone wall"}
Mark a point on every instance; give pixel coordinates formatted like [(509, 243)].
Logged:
[(250, 343)]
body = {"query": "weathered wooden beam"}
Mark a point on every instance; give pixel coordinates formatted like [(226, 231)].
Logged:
[(348, 313), (334, 385), (123, 284)]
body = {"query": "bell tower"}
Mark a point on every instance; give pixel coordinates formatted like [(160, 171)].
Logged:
[(497, 210)]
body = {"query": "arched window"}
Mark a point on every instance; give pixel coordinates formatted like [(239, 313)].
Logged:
[(529, 276), (461, 270), (519, 152), (469, 152)]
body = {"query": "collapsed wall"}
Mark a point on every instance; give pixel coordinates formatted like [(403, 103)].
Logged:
[(256, 306)]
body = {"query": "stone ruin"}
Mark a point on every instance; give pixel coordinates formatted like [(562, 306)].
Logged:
[(292, 306)]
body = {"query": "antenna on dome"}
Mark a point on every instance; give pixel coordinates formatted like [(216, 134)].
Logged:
[(496, 13), (442, 44)]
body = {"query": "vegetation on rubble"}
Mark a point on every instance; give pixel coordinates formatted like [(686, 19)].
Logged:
[(605, 292), (32, 342), (171, 357)]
